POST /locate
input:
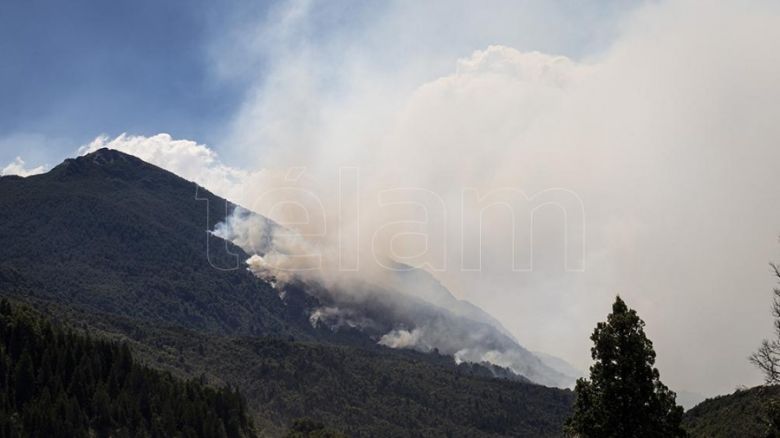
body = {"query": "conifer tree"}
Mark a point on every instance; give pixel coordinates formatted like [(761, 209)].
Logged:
[(624, 396)]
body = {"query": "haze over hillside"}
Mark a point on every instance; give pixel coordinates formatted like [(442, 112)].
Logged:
[(125, 248)]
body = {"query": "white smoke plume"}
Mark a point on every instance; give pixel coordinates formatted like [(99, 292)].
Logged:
[(665, 135), (400, 338), (336, 319), (664, 138)]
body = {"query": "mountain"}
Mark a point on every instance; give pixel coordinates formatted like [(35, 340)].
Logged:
[(400, 315), (561, 366), (741, 414), (125, 250), (539, 367), (402, 307), (688, 399), (421, 284), (110, 233)]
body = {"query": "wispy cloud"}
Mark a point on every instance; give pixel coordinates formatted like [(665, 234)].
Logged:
[(19, 167)]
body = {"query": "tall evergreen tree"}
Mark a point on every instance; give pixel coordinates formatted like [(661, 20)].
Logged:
[(624, 396)]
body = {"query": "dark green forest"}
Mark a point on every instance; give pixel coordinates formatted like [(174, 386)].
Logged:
[(742, 414), (349, 389), (55, 382)]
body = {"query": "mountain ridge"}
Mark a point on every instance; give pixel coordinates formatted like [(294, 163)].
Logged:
[(117, 170), (118, 245)]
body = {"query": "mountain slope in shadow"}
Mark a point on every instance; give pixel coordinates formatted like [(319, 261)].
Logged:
[(119, 246)]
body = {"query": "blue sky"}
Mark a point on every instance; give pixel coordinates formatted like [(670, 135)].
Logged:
[(73, 70)]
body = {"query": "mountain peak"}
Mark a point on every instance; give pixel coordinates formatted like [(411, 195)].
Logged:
[(111, 162), (109, 156)]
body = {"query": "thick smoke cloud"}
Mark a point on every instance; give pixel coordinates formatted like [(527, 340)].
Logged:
[(665, 140), (666, 136)]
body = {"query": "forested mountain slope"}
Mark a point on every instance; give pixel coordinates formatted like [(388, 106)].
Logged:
[(58, 383), (111, 243), (742, 414), (111, 233)]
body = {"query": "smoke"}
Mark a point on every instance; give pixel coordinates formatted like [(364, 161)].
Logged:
[(401, 338), (277, 254), (642, 163), (335, 318), (18, 167), (665, 136)]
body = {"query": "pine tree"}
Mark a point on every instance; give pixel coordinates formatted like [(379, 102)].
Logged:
[(624, 396)]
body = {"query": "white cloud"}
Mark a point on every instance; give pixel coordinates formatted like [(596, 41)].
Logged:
[(186, 158), (18, 167)]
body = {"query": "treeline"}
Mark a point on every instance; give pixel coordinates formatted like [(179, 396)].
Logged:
[(363, 393), (58, 383), (742, 414)]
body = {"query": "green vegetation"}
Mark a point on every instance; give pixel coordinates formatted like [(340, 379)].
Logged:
[(748, 413), (741, 414), (56, 383), (362, 393), (355, 391), (307, 428), (624, 396)]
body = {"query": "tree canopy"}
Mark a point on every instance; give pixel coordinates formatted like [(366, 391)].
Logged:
[(57, 383), (624, 396)]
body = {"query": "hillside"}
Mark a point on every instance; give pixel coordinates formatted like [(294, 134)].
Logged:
[(741, 414), (58, 383), (111, 233), (116, 245)]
